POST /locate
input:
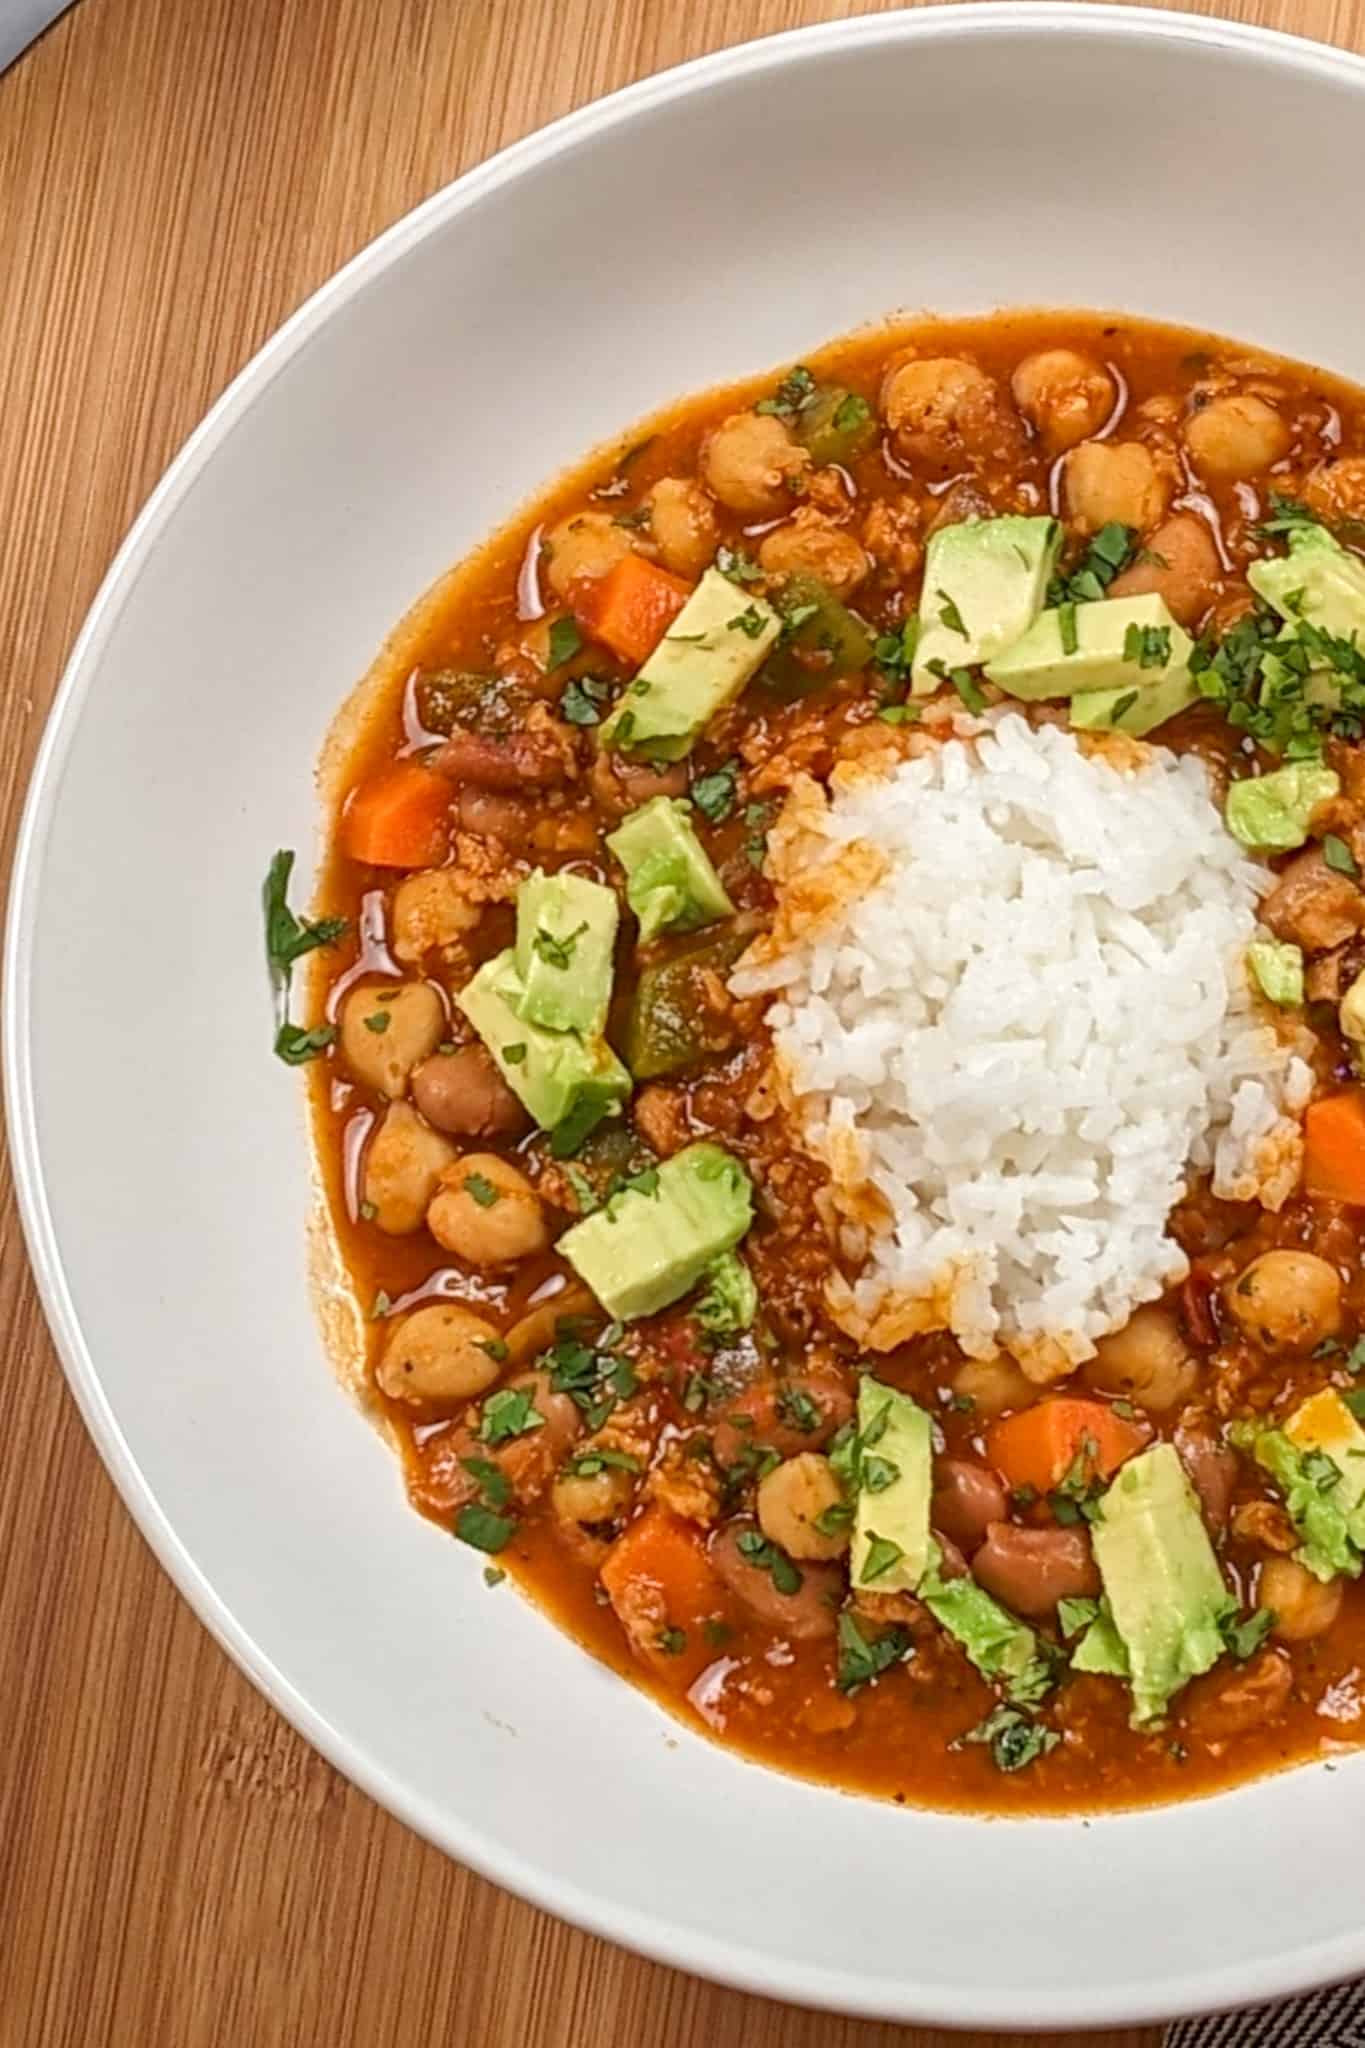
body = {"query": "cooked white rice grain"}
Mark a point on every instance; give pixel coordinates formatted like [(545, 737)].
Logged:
[(1011, 1007)]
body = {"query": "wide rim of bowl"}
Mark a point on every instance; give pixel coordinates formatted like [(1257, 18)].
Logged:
[(730, 1961)]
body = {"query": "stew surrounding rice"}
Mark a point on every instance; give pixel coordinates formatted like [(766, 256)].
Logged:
[(836, 1000)]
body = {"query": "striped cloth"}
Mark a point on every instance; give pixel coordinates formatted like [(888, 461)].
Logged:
[(1327, 2019)]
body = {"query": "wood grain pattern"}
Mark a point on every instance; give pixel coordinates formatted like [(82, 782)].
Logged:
[(177, 1869)]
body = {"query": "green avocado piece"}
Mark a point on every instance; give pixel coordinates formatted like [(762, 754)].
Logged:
[(730, 1301), (1318, 580), (656, 1238), (1272, 813), (1318, 1462), (670, 882), (1278, 970), (1113, 643), (716, 643), (1136, 710), (566, 938), (892, 1469), (1002, 1648), (984, 584), (566, 1083), (1166, 1597)]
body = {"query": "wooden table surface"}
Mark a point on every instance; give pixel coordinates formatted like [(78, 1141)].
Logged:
[(177, 1868)]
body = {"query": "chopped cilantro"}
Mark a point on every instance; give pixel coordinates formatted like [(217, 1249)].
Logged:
[(580, 700), (714, 794), (1123, 705), (1108, 552), (484, 1530), (863, 1659), (952, 617), (882, 1553), (796, 1407), (749, 622), (756, 1550), (482, 1190), (792, 395), (557, 952), (1339, 856), (851, 413), (1244, 1638), (510, 1412), (287, 937), (1015, 1739), (739, 567), (493, 1482), (672, 1641), (377, 1021), (380, 1306), (1066, 626), (492, 1575), (514, 1054), (565, 641), (1148, 646), (296, 1047)]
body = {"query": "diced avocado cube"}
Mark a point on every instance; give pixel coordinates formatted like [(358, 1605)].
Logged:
[(1318, 580), (1278, 971), (566, 937), (671, 884), (1114, 643), (1166, 1600), (566, 1083), (716, 643), (1137, 710), (1318, 1462), (984, 584), (1002, 1648), (823, 642), (893, 1474), (1272, 813), (655, 1239)]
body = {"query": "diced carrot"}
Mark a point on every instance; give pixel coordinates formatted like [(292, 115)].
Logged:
[(399, 818), (631, 608), (665, 1591), (1040, 1446), (1334, 1147)]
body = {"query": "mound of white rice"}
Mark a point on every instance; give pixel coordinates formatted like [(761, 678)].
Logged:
[(1012, 1012)]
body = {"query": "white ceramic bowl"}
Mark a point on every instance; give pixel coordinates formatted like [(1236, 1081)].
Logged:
[(771, 197)]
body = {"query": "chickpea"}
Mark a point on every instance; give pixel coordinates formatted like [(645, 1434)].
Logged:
[(582, 548), (1235, 436), (1335, 490), (1114, 480), (938, 408), (993, 1384), (486, 1212), (1182, 566), (463, 1092), (403, 1163), (1148, 1361), (1302, 1605), (1286, 1300), (438, 1353), (791, 1498), (430, 913), (750, 462), (1065, 396), (683, 523), (590, 1496), (386, 1031), (812, 545)]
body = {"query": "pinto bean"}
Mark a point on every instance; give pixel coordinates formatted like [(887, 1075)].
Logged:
[(1210, 1467), (463, 1092), (1180, 564), (507, 762), (1312, 905), (805, 1614), (800, 1413), (968, 1497), (531, 1461), (1030, 1570)]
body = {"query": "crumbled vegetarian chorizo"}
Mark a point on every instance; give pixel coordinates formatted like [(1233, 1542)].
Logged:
[(690, 1486), (1264, 1522), (1227, 1704), (1335, 490), (660, 1116), (811, 544), (891, 535), (1314, 905)]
